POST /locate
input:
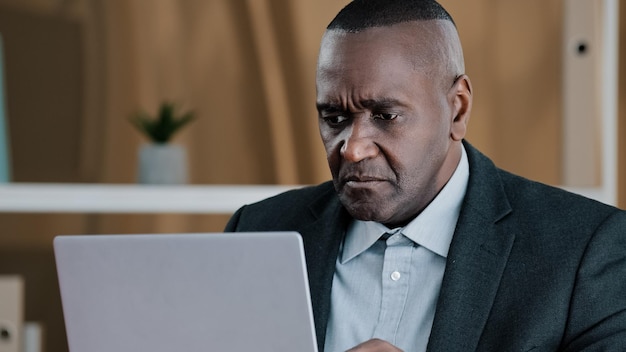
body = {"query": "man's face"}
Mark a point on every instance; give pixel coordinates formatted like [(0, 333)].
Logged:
[(387, 118)]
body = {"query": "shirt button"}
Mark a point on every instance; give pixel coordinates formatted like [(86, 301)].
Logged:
[(395, 276)]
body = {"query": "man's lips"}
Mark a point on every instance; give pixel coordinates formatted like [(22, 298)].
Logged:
[(361, 180)]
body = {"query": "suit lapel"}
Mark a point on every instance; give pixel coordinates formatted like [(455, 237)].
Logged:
[(476, 260), (322, 239)]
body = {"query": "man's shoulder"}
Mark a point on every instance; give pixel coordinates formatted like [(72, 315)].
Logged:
[(484, 174), (522, 190), (544, 209), (530, 200)]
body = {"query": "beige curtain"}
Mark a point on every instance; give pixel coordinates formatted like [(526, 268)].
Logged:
[(245, 67)]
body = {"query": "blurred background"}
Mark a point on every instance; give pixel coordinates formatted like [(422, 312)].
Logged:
[(75, 70)]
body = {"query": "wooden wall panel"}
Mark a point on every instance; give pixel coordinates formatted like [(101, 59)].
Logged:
[(44, 87)]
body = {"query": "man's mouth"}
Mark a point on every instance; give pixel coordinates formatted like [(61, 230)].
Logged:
[(361, 180)]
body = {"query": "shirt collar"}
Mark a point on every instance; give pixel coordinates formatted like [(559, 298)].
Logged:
[(432, 229)]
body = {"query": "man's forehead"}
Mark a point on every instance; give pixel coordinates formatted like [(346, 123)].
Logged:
[(425, 30), (431, 47), (416, 38)]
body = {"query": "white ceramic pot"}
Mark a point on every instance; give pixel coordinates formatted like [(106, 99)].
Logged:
[(162, 164)]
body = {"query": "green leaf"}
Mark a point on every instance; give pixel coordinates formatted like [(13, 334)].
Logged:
[(161, 128)]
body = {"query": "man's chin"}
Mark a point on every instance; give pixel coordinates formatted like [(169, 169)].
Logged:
[(365, 211)]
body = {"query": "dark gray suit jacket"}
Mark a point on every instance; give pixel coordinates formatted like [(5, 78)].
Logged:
[(530, 267)]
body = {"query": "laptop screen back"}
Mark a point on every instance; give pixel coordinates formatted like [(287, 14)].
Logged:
[(185, 292)]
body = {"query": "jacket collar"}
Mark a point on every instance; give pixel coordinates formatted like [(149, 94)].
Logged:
[(478, 254), (322, 239)]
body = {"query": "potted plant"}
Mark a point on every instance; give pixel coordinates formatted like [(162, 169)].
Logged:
[(161, 162)]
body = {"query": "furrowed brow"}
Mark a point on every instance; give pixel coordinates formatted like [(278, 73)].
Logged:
[(380, 104), (328, 107), (370, 104)]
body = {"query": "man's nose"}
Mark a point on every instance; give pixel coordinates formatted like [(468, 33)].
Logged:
[(359, 143)]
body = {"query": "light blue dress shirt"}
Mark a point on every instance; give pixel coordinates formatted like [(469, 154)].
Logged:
[(389, 289)]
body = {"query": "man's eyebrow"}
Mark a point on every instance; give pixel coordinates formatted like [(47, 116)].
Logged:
[(328, 107), (383, 103)]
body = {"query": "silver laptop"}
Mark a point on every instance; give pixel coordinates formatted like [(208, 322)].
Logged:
[(185, 292)]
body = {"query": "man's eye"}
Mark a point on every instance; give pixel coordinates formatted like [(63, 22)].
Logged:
[(385, 117), (335, 120)]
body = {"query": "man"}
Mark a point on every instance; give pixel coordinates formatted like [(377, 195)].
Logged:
[(420, 242)]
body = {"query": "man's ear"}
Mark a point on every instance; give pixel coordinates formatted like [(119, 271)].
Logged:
[(461, 95)]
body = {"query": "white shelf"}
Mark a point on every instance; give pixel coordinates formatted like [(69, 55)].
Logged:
[(188, 199), (109, 198)]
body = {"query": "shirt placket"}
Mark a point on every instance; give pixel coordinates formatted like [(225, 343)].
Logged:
[(395, 286)]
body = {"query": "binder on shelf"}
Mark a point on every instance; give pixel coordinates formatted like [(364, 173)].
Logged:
[(11, 313)]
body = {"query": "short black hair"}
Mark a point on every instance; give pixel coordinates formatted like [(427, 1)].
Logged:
[(362, 14)]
